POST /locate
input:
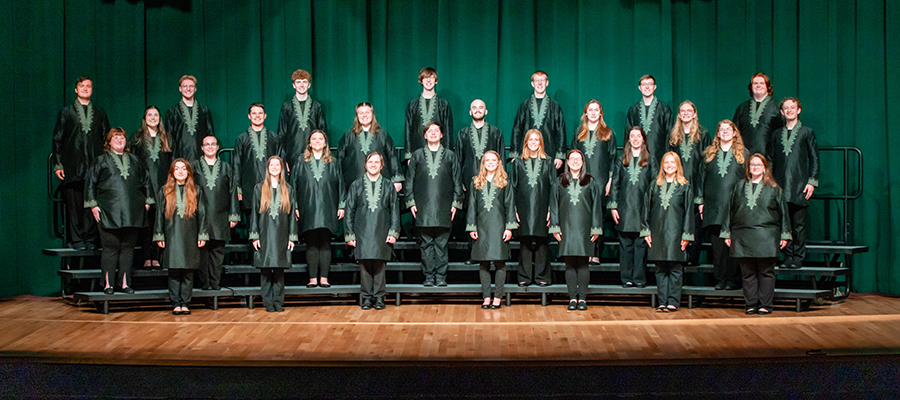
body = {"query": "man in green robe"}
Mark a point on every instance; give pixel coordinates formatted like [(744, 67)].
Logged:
[(299, 117), (654, 116), (757, 118), (188, 122), (252, 150), (474, 140), (544, 114), (425, 108), (215, 178)]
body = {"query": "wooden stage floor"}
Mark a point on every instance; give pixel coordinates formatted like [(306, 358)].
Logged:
[(614, 331)]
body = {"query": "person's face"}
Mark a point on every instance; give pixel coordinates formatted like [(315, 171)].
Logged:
[(491, 162), (364, 115), (593, 112), (84, 89), (757, 168), (669, 165), (210, 147), (257, 116), (790, 110), (433, 134), (428, 82), (117, 143), (575, 161), (540, 83), (686, 113), (759, 86), (188, 88), (180, 171), (477, 110), (302, 86), (635, 139), (725, 133), (152, 118), (373, 165), (534, 142), (647, 87), (317, 141), (274, 167)]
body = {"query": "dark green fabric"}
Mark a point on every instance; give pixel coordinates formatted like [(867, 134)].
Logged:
[(250, 163), (219, 196), (576, 211), (626, 194), (121, 196), (180, 234), (755, 226), (668, 221), (186, 144), (294, 134), (433, 196), (718, 182), (157, 165), (414, 128), (758, 138), (464, 147), (274, 229), (491, 211), (691, 154), (532, 194), (369, 220), (796, 166), (319, 194), (74, 149), (660, 127)]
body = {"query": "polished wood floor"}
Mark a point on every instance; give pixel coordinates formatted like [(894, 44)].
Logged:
[(612, 331)]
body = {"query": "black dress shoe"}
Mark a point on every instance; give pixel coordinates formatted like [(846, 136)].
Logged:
[(627, 285), (494, 307), (732, 286), (573, 305), (176, 312), (442, 282), (216, 288), (270, 309), (278, 308), (128, 290), (311, 285), (428, 283), (582, 305), (379, 304), (109, 290), (186, 312), (720, 286), (485, 306), (763, 311), (793, 266), (470, 262), (522, 284), (543, 284), (640, 285), (750, 311), (325, 285), (366, 304)]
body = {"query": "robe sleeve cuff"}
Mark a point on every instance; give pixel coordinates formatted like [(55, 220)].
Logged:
[(293, 237), (725, 234), (560, 155), (813, 182), (612, 205), (398, 178), (457, 204), (687, 236), (596, 231), (411, 202), (407, 155), (150, 200), (645, 232), (514, 154), (240, 192), (90, 203), (471, 228), (341, 206), (234, 218), (554, 229), (203, 236), (512, 225), (698, 200), (254, 236), (394, 233), (350, 237), (58, 167), (786, 236), (159, 237)]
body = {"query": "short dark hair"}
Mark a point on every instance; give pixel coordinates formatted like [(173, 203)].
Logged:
[(645, 77), (301, 74), (82, 79), (426, 72), (794, 99), (257, 104)]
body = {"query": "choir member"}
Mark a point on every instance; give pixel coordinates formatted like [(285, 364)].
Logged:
[(630, 183), (422, 110), (757, 118), (252, 149), (474, 140), (688, 139), (365, 137), (151, 146), (654, 116), (544, 114), (188, 122), (215, 179), (299, 116), (532, 176), (597, 142)]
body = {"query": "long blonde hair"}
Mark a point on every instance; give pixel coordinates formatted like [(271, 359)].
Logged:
[(190, 191), (679, 172), (602, 132), (499, 174), (526, 152), (678, 130), (737, 144), (326, 152), (265, 196)]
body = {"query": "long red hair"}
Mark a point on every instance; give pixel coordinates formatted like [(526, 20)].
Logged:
[(190, 191)]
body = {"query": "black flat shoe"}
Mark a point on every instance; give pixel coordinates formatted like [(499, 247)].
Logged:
[(186, 312), (628, 285), (428, 283), (582, 305), (128, 290), (750, 311), (573, 305), (522, 284), (485, 306), (732, 287), (640, 285), (325, 285), (379, 304), (763, 311), (720, 286), (366, 304), (312, 285), (442, 282), (109, 290), (543, 284)]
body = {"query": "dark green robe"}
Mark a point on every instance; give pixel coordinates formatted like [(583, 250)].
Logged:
[(532, 180), (352, 151), (668, 219), (433, 186), (758, 220), (420, 112), (295, 123), (219, 195), (274, 229), (552, 126), (320, 193), (156, 161), (180, 234), (657, 124), (492, 210), (251, 151), (118, 185), (599, 157), (372, 214), (691, 154), (757, 131), (795, 162), (718, 177), (471, 144), (78, 139), (576, 211), (187, 126), (626, 194)]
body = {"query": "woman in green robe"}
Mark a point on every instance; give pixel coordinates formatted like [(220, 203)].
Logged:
[(668, 227), (597, 142), (723, 168), (372, 213), (117, 190), (319, 185), (181, 231), (626, 199), (151, 146), (532, 177), (490, 221), (273, 231), (576, 219), (756, 226), (366, 137), (688, 139)]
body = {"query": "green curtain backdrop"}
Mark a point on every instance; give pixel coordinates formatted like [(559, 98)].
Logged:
[(834, 55)]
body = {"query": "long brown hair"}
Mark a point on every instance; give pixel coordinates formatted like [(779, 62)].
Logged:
[(583, 177), (143, 135), (679, 172), (117, 131), (326, 152), (678, 130), (265, 196), (645, 151), (767, 176), (357, 127), (499, 173), (737, 144), (190, 191), (526, 152), (602, 132)]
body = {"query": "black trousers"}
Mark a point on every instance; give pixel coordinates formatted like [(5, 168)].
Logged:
[(759, 281), (693, 247), (371, 278), (318, 252), (117, 255), (271, 282), (433, 244), (795, 251), (484, 272), (632, 258), (211, 257), (578, 276), (534, 256), (669, 279), (149, 248), (724, 268), (80, 225), (181, 286)]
